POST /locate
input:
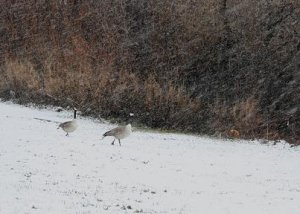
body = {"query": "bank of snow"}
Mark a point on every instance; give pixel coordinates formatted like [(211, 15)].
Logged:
[(42, 171)]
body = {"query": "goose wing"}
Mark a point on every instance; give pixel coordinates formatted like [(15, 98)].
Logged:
[(65, 124), (113, 132)]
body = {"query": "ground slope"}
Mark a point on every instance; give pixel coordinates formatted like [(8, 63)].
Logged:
[(42, 171)]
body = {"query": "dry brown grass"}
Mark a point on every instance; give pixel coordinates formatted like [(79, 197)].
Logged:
[(241, 119), (246, 116), (104, 92), (114, 95), (170, 105), (19, 77)]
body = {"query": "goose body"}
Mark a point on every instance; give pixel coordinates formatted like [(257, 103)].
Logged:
[(119, 133), (69, 126)]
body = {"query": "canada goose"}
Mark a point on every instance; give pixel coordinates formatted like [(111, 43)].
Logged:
[(119, 133), (69, 126)]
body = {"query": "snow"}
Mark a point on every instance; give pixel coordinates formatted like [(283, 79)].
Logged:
[(43, 171)]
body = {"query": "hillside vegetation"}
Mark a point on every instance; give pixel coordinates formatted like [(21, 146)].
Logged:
[(215, 67)]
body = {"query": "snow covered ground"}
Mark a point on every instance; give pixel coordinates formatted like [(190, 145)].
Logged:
[(43, 171)]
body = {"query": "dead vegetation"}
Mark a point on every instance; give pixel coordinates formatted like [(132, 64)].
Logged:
[(224, 66)]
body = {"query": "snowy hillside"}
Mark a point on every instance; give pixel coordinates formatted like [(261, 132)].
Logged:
[(43, 171)]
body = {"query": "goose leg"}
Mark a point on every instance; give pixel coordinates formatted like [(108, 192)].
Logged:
[(113, 142), (67, 134), (119, 142)]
